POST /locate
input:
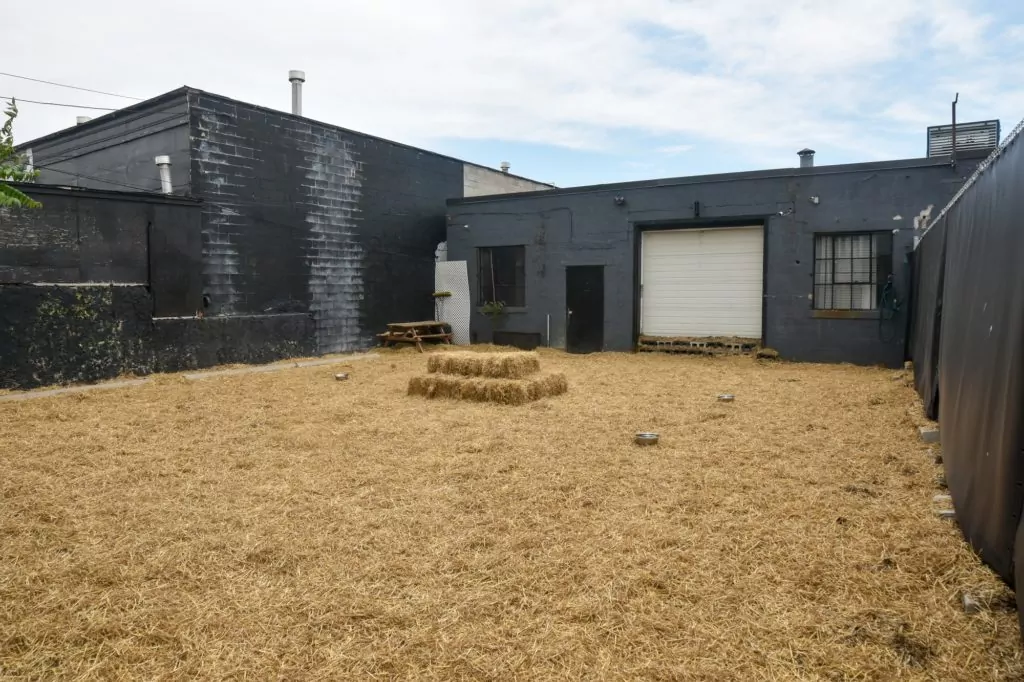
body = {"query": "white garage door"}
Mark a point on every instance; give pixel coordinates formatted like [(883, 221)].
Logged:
[(702, 282)]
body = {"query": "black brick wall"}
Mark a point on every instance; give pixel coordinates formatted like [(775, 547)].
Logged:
[(585, 226), (62, 335), (298, 216), (59, 335), (75, 239), (304, 216), (58, 326), (81, 236)]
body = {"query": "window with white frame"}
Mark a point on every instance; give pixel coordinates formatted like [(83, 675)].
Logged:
[(851, 269)]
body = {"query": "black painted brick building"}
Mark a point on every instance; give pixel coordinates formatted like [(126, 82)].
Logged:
[(603, 226), (297, 216)]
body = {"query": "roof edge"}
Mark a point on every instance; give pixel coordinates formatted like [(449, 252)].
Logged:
[(895, 164), (189, 90), (106, 118), (31, 188), (307, 119)]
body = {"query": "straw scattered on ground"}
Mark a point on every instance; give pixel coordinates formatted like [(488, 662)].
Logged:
[(504, 391), (514, 365), (290, 526)]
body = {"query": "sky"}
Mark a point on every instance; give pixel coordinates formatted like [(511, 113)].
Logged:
[(568, 91)]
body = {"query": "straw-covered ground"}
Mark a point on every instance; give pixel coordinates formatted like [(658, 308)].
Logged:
[(290, 526)]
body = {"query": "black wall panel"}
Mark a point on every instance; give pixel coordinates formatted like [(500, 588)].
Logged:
[(969, 315), (175, 260), (84, 236), (926, 315), (981, 360)]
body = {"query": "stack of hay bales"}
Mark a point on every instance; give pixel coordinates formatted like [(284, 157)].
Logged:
[(508, 378)]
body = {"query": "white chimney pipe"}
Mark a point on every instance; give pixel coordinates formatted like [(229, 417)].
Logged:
[(806, 157), (79, 120), (163, 163), (297, 78), (505, 165)]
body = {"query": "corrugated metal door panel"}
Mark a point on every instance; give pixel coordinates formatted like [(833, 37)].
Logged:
[(706, 282)]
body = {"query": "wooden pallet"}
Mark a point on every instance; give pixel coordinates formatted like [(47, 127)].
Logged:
[(716, 346)]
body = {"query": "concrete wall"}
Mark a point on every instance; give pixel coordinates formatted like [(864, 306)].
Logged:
[(480, 181), (585, 226)]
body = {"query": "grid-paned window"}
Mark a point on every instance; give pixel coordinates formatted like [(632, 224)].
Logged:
[(501, 275), (851, 269)]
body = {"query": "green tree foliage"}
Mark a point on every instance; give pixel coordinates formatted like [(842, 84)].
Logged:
[(13, 166)]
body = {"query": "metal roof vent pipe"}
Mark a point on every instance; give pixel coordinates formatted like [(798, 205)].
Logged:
[(297, 78), (806, 158), (505, 165), (163, 163), (79, 120)]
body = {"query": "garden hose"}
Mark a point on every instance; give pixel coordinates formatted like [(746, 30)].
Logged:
[(888, 306)]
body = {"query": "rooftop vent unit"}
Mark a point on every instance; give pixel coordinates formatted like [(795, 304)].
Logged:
[(976, 136)]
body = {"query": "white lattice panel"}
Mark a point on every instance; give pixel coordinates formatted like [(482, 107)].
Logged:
[(452, 276)]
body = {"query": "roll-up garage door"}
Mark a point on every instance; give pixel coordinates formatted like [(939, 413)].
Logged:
[(702, 282)]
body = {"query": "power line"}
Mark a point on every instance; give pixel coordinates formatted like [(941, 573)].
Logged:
[(103, 180), (73, 87), (66, 154), (57, 104)]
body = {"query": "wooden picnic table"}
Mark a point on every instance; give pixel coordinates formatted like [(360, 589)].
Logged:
[(416, 332)]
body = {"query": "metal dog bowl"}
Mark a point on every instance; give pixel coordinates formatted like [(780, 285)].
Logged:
[(645, 438), (726, 398)]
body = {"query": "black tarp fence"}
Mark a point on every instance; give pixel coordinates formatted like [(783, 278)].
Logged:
[(928, 268), (967, 345)]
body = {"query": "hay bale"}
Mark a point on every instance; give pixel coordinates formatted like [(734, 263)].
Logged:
[(481, 389), (492, 365)]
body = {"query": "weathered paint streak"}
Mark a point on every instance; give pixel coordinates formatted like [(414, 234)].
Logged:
[(333, 191)]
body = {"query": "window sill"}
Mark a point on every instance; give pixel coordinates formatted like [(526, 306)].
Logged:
[(511, 310), (845, 314)]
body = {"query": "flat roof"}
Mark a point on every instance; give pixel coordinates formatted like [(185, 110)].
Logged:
[(185, 90), (106, 118), (897, 164)]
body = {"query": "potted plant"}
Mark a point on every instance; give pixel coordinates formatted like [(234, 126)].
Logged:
[(494, 311)]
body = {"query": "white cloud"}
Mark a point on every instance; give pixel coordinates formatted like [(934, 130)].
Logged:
[(911, 113), (674, 149), (768, 77), (957, 28)]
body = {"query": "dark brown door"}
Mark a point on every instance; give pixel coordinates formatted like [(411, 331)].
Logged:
[(584, 302)]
